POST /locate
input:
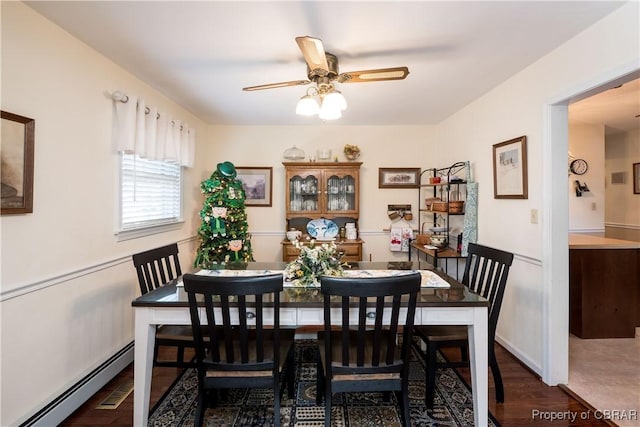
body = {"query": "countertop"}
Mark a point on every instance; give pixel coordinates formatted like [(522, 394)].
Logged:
[(588, 241)]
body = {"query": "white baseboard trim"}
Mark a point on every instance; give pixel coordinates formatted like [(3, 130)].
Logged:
[(624, 226), (519, 355), (598, 231), (64, 405)]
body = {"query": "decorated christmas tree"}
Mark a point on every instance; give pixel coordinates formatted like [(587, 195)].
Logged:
[(224, 236)]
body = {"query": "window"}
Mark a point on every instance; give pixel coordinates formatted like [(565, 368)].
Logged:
[(150, 192)]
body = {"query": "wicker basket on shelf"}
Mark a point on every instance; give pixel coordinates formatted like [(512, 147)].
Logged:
[(456, 206), (423, 239), (439, 206), (428, 202)]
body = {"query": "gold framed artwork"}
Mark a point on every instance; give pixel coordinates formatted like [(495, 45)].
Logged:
[(398, 177), (257, 184), (510, 169), (17, 164)]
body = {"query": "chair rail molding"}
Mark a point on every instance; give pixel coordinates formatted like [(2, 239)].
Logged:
[(71, 275)]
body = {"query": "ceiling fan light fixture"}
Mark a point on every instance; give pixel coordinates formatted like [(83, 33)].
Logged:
[(323, 70), (335, 99), (307, 106), (329, 112)]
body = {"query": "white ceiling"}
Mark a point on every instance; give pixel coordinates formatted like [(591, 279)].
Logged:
[(202, 53), (617, 108)]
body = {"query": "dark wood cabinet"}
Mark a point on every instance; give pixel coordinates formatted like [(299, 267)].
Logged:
[(317, 190), (604, 292), (352, 250)]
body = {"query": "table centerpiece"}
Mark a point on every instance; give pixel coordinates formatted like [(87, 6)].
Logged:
[(314, 261)]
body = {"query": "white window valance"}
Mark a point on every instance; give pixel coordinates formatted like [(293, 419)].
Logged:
[(149, 133)]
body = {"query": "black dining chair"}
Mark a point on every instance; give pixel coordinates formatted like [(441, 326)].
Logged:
[(238, 349), (359, 351), (155, 268), (485, 273)]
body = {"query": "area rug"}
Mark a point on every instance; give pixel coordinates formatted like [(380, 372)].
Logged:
[(453, 403)]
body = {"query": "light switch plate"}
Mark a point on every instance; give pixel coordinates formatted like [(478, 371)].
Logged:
[(534, 216)]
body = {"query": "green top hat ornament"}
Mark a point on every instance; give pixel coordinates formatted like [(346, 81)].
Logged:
[(227, 169)]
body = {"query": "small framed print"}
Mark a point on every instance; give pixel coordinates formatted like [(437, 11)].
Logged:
[(17, 164), (636, 178), (510, 169), (398, 177), (257, 184)]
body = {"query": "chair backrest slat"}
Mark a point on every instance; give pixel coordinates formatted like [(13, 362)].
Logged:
[(213, 325), (156, 267), (362, 329), (259, 328), (377, 337)]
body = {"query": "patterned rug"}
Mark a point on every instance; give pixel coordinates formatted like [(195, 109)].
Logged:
[(453, 404)]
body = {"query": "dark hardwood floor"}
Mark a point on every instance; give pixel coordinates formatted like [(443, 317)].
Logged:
[(525, 394)]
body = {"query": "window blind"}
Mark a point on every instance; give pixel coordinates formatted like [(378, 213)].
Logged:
[(150, 192)]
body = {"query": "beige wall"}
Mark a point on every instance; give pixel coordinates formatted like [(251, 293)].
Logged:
[(617, 209), (381, 146), (586, 213), (536, 305), (67, 283), (622, 216)]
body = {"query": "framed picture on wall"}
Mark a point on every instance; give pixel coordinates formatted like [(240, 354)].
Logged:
[(17, 164), (510, 169), (257, 184), (636, 178), (398, 177)]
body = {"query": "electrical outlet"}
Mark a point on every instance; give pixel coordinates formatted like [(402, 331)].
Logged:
[(534, 216), (593, 206)]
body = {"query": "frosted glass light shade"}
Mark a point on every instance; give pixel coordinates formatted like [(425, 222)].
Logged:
[(307, 106), (328, 112), (335, 99)]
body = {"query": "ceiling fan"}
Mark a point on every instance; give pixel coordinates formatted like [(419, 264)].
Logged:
[(322, 69)]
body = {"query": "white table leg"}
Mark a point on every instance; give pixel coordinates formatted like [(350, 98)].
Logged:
[(479, 355), (145, 336)]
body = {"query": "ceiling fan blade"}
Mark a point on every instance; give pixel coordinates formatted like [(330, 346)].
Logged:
[(396, 73), (277, 85), (313, 52)]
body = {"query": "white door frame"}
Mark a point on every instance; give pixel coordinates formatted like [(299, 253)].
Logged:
[(555, 221)]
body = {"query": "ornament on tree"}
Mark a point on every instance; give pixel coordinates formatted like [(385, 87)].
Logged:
[(232, 193), (218, 225), (235, 246), (224, 231)]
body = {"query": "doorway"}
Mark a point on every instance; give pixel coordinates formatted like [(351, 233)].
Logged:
[(604, 130), (555, 229)]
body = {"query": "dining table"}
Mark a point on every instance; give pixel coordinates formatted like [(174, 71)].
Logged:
[(442, 301)]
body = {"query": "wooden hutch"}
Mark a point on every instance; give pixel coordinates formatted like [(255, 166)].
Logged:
[(316, 190)]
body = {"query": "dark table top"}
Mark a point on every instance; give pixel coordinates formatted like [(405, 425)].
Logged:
[(457, 295)]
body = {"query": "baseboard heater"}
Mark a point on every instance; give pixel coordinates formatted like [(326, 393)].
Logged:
[(61, 407)]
